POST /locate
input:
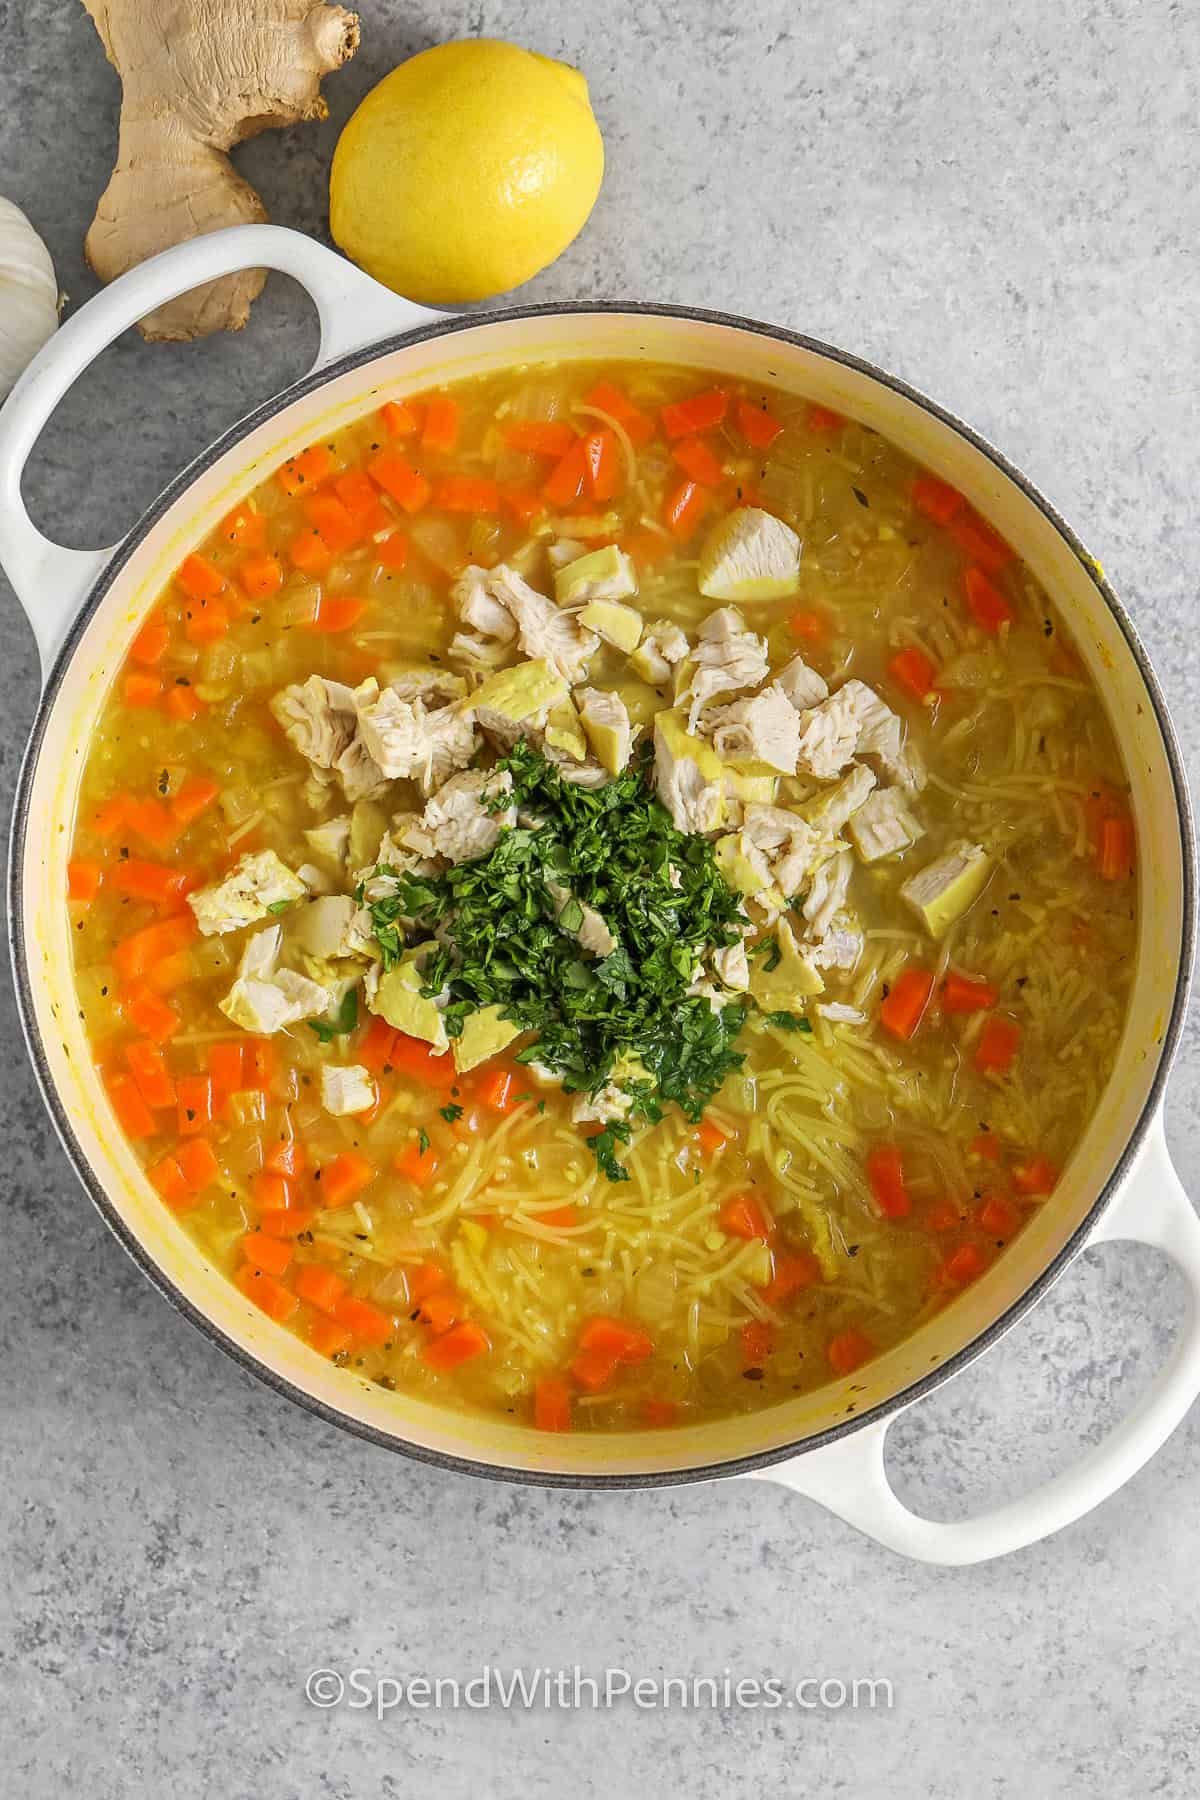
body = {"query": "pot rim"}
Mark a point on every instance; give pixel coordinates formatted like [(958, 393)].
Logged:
[(757, 1460)]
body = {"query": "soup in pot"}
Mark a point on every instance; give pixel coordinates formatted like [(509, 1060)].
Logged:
[(603, 894)]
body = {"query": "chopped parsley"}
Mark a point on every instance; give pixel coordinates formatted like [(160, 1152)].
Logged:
[(451, 1112), (504, 939), (787, 1021), (422, 1141), (279, 906), (344, 1020)]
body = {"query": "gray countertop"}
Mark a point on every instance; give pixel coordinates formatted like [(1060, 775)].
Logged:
[(1001, 203)]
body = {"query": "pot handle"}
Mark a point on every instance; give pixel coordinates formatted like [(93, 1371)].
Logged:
[(849, 1477), (51, 581)]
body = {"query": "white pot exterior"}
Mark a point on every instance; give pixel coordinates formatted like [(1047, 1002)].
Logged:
[(1119, 1138)]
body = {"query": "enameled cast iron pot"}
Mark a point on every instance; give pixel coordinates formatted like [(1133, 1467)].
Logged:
[(86, 607)]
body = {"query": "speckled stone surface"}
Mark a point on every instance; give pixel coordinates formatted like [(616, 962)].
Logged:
[(1002, 203)]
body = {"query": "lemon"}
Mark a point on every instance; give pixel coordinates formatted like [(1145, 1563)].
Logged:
[(466, 171)]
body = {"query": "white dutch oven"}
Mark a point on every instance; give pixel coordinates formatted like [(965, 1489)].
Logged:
[(86, 607)]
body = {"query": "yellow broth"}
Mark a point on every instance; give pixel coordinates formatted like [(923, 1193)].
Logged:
[(502, 1206)]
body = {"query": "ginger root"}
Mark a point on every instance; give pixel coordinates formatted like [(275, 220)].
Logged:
[(199, 76)]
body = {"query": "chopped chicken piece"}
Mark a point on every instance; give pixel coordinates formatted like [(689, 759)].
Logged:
[(456, 824), (328, 927), (331, 840), (484, 655), (346, 1088), (260, 953), (589, 774), (259, 1006), (517, 702), (259, 883), (600, 575), (317, 881), (943, 890), (790, 842), (749, 555), (827, 895), (907, 770), (883, 825), (478, 608), (264, 999), (612, 1102), (829, 735), (802, 685), (429, 685), (840, 1014), (732, 967), (663, 645), (831, 809), (744, 866), (565, 550), (841, 947), (543, 630), (605, 719), (689, 774), (408, 742), (726, 659), (591, 933), (765, 728), (318, 719)]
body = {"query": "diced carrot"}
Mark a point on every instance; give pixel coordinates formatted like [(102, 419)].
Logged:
[(648, 547), (1037, 1176), (568, 477), (260, 576), (700, 412), (685, 506), (757, 425), (400, 418), (885, 1172), (374, 1049), (937, 500), (159, 883), (523, 504), (709, 1138), (168, 1178), (148, 1067), (757, 1339), (976, 539), (195, 1104), (328, 1338), (398, 478), (111, 816), (697, 461), (989, 608), (287, 1156), (810, 626), (605, 468), (793, 1271), (343, 1179), (141, 689), (133, 1115), (83, 879), (467, 494), (552, 1404), (961, 994), (226, 1064), (276, 1300), (659, 1413), (823, 419), (337, 612), (849, 1350), (413, 1057), (1115, 859), (442, 417), (359, 496), (199, 578), (985, 1147), (319, 1287), (306, 471), (207, 622), (150, 644), (943, 1215), (998, 1216), (440, 1310), (182, 704), (198, 1161), (997, 1046), (195, 796), (150, 1014), (540, 437), (335, 522), (637, 426), (172, 973), (559, 1218), (914, 671), (135, 955), (152, 821), (366, 1321), (271, 1255), (967, 1263), (284, 1221), (309, 552), (244, 528), (273, 1193), (393, 552), (416, 1165), (904, 1008), (260, 1065), (593, 1369), (495, 1090), (462, 1344), (618, 1338), (743, 1217)]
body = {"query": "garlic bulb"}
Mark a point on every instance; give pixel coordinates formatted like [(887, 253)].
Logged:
[(28, 294)]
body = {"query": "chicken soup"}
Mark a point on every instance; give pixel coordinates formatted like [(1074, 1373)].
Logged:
[(603, 895)]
